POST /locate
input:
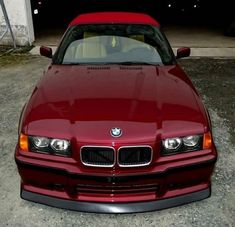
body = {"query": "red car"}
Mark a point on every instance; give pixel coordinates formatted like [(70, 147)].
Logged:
[(115, 125)]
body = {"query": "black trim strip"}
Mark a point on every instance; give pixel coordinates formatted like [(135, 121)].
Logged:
[(117, 178), (116, 207)]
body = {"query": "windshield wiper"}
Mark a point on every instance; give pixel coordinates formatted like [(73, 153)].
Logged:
[(71, 63), (85, 63), (137, 63), (112, 63)]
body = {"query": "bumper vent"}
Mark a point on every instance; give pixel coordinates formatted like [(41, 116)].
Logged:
[(134, 156), (98, 156)]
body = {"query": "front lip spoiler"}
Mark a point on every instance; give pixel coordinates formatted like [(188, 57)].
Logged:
[(116, 208)]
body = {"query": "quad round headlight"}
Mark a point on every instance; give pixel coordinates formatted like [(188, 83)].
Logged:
[(172, 144), (49, 146), (181, 144), (191, 141), (41, 142), (59, 145)]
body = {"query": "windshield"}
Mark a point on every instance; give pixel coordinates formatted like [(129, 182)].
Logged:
[(114, 44)]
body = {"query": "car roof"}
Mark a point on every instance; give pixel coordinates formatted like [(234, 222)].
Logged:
[(114, 17)]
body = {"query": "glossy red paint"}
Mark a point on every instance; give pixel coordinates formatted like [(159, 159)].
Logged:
[(114, 17), (141, 107), (82, 103), (140, 103), (158, 182)]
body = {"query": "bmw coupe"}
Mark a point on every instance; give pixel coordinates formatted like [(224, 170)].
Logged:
[(115, 125)]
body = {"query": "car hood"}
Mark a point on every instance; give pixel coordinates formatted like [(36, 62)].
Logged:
[(86, 102)]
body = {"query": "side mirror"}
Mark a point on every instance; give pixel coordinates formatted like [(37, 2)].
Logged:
[(46, 51), (183, 52)]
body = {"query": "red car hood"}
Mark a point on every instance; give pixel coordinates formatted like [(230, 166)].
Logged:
[(86, 102)]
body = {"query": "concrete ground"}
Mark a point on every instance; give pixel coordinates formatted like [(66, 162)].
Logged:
[(215, 80)]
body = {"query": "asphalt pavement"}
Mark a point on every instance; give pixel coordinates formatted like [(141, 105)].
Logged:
[(215, 81)]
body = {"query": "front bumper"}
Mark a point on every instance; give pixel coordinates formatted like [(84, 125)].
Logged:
[(122, 193)]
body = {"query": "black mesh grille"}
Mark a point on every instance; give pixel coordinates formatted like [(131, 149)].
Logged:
[(97, 156), (134, 156)]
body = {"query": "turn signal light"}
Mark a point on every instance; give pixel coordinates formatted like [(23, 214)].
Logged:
[(207, 140), (24, 145)]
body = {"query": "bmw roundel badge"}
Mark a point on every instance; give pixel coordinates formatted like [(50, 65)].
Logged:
[(116, 132)]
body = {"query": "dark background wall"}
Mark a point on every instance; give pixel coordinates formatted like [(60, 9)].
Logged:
[(54, 13)]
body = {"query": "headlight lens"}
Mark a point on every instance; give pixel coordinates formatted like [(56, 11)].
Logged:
[(59, 145), (184, 144), (41, 142), (49, 146), (191, 141), (172, 144)]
